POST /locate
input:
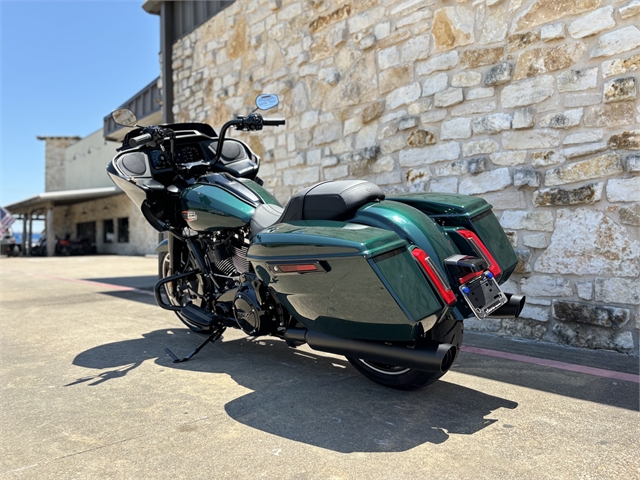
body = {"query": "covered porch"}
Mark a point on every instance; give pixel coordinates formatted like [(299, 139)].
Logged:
[(41, 207)]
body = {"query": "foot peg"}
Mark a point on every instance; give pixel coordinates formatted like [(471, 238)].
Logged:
[(198, 315), (211, 338)]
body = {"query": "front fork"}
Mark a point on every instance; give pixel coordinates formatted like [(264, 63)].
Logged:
[(183, 250)]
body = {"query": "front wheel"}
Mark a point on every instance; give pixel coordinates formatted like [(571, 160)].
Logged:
[(187, 291), (403, 378)]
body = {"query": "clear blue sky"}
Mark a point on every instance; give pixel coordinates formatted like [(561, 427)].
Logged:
[(64, 66)]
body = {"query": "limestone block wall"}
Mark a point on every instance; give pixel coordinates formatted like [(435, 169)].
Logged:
[(531, 104), (55, 161)]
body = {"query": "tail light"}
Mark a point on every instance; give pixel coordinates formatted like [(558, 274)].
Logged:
[(481, 250), (436, 277)]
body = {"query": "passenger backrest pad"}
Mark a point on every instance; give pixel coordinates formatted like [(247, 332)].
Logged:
[(337, 200)]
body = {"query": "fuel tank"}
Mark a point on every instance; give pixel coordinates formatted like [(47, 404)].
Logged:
[(220, 202)]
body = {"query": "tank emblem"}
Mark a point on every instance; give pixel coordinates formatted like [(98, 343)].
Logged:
[(189, 216)]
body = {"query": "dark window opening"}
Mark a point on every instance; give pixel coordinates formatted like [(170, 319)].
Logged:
[(123, 230), (86, 230), (109, 235)]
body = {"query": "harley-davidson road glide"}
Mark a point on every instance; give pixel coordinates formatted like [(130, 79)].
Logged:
[(386, 281)]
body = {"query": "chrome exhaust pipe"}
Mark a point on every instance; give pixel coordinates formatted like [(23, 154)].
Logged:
[(512, 308), (434, 358)]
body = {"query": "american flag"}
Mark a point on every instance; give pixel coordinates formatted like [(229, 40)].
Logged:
[(6, 220)]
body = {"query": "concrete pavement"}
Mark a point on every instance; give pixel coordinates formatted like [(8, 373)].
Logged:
[(88, 392)]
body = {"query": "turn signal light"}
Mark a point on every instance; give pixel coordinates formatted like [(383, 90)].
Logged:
[(481, 250), (436, 277)]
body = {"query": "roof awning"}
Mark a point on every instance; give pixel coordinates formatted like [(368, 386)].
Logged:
[(63, 197), (146, 104)]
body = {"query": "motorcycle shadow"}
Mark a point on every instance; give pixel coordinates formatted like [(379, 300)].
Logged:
[(309, 397)]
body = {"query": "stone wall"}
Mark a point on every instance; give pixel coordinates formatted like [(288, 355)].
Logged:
[(531, 104), (55, 162)]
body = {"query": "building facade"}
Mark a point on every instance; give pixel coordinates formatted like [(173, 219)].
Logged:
[(531, 104), (81, 202)]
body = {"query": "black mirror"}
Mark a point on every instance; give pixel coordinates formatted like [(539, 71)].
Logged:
[(267, 101), (124, 117)]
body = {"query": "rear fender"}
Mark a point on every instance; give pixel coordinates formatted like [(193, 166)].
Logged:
[(416, 228), (411, 225), (454, 212)]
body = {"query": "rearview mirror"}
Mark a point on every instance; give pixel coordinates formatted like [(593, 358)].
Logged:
[(267, 101), (124, 117)]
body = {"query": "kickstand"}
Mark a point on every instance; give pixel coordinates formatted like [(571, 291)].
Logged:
[(211, 338)]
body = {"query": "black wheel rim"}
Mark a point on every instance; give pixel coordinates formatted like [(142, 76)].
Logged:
[(384, 368)]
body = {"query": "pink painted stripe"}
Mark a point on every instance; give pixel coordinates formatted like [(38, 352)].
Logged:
[(110, 286), (599, 372)]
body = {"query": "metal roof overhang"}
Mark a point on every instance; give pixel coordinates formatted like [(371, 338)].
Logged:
[(146, 104), (63, 197)]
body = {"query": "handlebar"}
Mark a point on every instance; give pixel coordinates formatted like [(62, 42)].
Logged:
[(141, 139), (151, 134), (274, 122), (251, 122)]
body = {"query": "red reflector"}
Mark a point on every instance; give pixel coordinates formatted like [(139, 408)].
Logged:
[(435, 276), (307, 267), (480, 248)]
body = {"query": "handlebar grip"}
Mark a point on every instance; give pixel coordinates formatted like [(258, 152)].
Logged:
[(273, 122), (140, 139)]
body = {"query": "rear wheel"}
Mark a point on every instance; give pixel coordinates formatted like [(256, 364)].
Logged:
[(185, 291), (402, 378)]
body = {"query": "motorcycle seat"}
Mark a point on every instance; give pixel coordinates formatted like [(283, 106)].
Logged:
[(336, 200)]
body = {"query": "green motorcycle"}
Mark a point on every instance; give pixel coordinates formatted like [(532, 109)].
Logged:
[(385, 281)]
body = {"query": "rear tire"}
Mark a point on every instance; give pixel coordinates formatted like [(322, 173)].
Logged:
[(402, 378), (164, 267)]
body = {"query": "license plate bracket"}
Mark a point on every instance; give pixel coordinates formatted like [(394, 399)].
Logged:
[(483, 295)]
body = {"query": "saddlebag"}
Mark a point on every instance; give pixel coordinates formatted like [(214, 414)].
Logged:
[(462, 212), (352, 281)]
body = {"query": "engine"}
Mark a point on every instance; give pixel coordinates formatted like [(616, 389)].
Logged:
[(254, 309), (229, 255)]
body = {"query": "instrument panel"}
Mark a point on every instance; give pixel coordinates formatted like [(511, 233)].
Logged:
[(186, 153), (189, 153), (159, 159)]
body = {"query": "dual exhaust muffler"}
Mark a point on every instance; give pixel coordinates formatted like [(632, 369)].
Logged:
[(511, 309), (436, 357)]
